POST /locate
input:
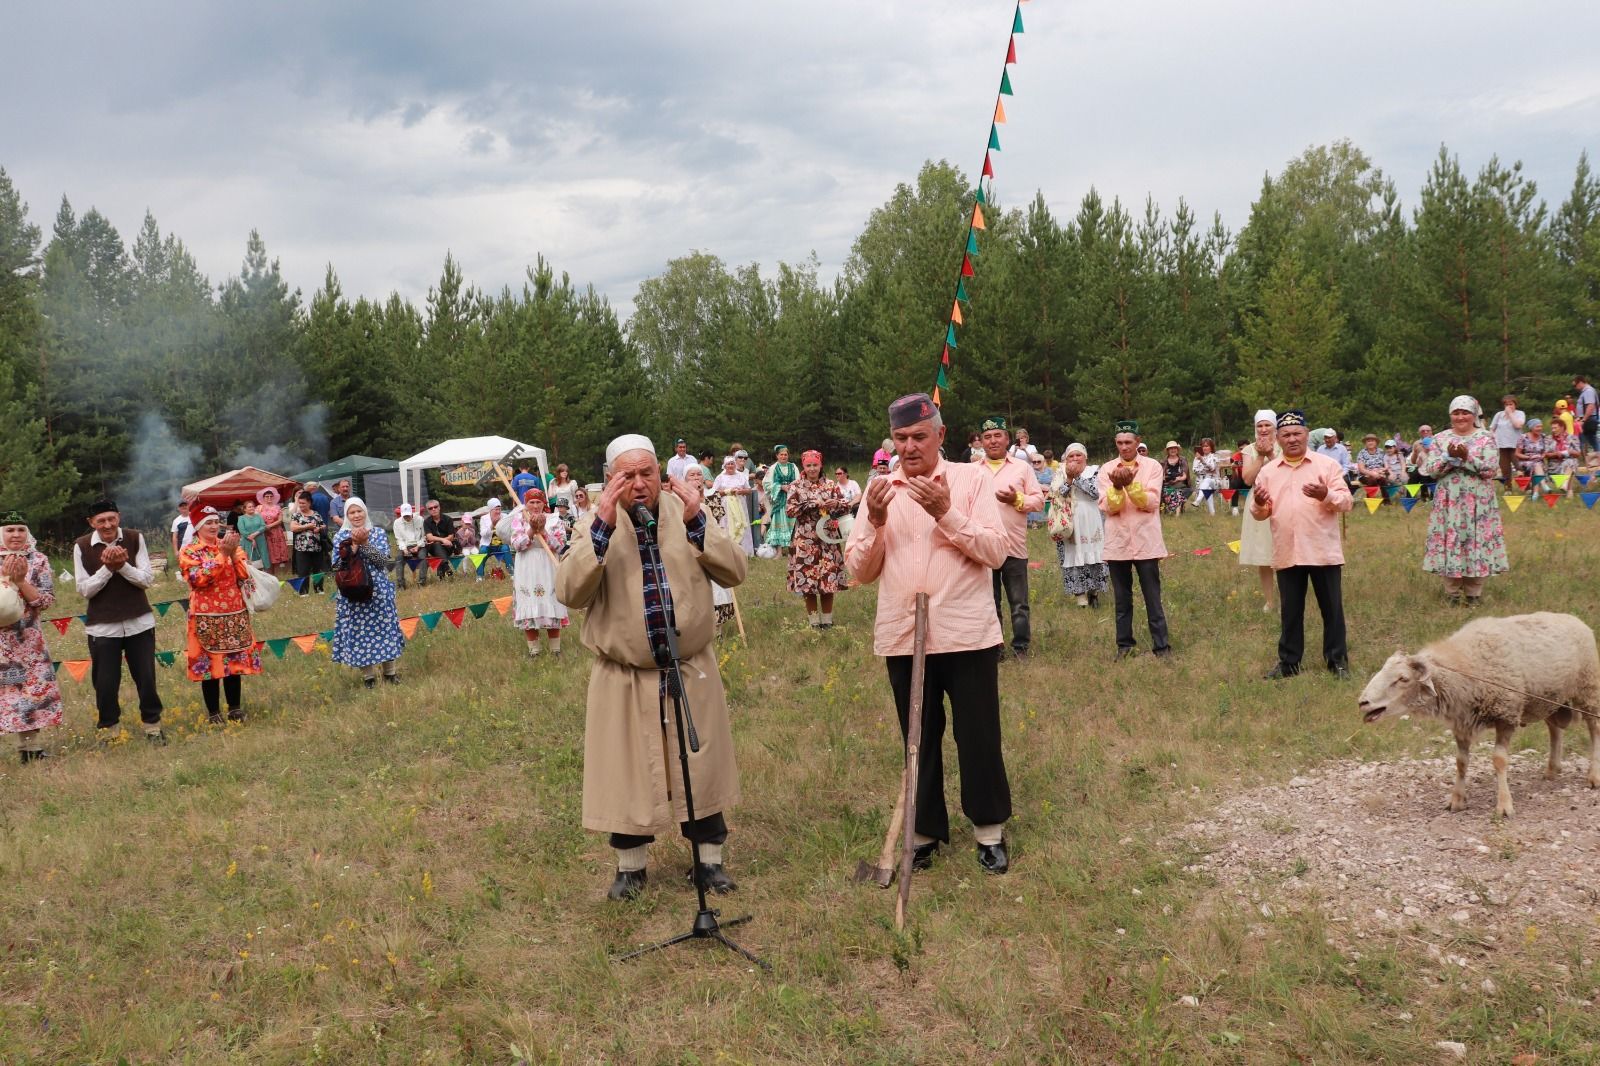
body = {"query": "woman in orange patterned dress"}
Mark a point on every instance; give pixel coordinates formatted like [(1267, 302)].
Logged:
[(222, 645)]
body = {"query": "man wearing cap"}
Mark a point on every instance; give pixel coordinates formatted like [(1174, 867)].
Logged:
[(409, 535), (1016, 489), (934, 527), (1303, 494), (632, 776), (439, 539), (111, 568), (1130, 498), (680, 462)]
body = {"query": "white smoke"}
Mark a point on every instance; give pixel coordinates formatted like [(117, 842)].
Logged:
[(162, 465)]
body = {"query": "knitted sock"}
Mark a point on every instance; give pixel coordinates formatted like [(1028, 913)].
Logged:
[(370, 672), (555, 644), (151, 728), (814, 617), (989, 834), (533, 648), (391, 668), (918, 839), (631, 860), (711, 854), (827, 618)]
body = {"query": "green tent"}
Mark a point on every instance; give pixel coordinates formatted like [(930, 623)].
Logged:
[(354, 467)]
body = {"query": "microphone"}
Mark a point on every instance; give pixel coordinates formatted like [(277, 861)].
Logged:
[(642, 518)]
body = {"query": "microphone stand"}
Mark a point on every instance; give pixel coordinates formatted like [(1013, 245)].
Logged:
[(706, 920)]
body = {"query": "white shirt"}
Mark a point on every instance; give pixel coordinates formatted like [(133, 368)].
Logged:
[(852, 491), (679, 465), (487, 524), (188, 531), (136, 570), (407, 532)]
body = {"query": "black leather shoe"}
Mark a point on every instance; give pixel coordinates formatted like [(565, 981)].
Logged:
[(33, 756), (1162, 653), (369, 682), (628, 885), (1340, 670), (236, 714), (1279, 672), (158, 739), (922, 855), (214, 719), (393, 679), (713, 877), (1125, 653), (993, 858)]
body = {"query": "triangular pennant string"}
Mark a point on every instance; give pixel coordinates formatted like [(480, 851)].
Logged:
[(78, 668), (408, 626), (972, 242), (1513, 502), (977, 217), (1408, 502), (988, 167), (955, 316), (431, 619), (456, 616), (961, 291), (944, 357), (61, 624), (999, 113), (1005, 83), (1589, 498), (478, 609), (278, 646), (994, 138), (1011, 50), (1373, 503), (1016, 23), (503, 604), (305, 643), (966, 266)]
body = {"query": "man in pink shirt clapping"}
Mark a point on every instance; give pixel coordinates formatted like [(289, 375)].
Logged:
[(1017, 491), (1303, 494), (933, 526), (1130, 498)]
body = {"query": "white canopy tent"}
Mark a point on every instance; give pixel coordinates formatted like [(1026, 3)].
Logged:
[(466, 451)]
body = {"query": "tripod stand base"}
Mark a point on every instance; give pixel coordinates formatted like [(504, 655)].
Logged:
[(706, 927)]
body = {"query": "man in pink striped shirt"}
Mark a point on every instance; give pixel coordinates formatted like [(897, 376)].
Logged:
[(1303, 494), (933, 526), (1130, 498), (1017, 491)]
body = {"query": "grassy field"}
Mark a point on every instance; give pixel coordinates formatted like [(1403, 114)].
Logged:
[(399, 876)]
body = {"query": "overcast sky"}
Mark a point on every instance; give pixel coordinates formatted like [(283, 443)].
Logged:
[(614, 137)]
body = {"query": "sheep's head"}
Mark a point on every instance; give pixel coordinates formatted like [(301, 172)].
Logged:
[(1404, 685)]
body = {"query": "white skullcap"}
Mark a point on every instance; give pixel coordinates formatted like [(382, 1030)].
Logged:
[(1265, 415), (628, 442)]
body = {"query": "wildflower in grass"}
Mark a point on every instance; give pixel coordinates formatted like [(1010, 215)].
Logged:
[(427, 884), (233, 868)]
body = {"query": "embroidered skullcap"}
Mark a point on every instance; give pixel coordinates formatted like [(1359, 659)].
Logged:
[(1127, 425), (13, 517), (628, 442), (101, 506), (776, 448), (1292, 418), (1266, 414), (994, 422), (909, 410), (199, 516)]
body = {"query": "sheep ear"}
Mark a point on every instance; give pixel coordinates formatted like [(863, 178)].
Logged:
[(1424, 674)]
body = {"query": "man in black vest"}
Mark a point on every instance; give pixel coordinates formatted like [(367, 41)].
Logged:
[(112, 567)]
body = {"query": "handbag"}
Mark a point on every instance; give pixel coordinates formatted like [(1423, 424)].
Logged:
[(352, 577), (263, 592), (1059, 521)]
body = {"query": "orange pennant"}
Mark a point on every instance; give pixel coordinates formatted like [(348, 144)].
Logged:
[(408, 626), (955, 314), (78, 668), (503, 604), (999, 113), (936, 401), (305, 643), (977, 217)]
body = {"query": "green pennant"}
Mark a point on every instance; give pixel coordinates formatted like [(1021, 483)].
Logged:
[(478, 609), (279, 646), (431, 619), (1016, 23), (326, 636), (942, 381), (978, 194), (163, 607), (950, 335), (972, 242), (961, 291), (994, 138), (166, 658), (1005, 81)]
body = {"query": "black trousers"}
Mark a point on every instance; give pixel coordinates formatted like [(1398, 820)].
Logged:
[(306, 564), (712, 829), (1149, 571), (1013, 577), (442, 553), (1326, 582), (211, 689), (972, 681), (106, 654)]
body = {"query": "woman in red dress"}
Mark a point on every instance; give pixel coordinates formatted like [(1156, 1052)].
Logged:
[(816, 568), (222, 645)]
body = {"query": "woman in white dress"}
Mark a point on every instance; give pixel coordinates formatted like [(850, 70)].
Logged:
[(1255, 538), (725, 511), (1083, 569), (537, 538), (732, 487), (1207, 471)]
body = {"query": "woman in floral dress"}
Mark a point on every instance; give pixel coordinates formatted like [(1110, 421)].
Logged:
[(277, 530), (1083, 569), (780, 528), (367, 634), (725, 516), (30, 698), (221, 645), (1175, 480), (816, 569), (1466, 542), (538, 538)]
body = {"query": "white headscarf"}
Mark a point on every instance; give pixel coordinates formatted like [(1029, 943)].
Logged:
[(1075, 447), (1266, 415), (357, 502), (1467, 403)]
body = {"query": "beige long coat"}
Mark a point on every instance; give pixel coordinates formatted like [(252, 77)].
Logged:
[(632, 782)]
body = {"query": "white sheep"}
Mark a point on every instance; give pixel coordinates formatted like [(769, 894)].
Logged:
[(1501, 673)]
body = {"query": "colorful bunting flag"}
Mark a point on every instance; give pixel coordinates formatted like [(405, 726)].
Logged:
[(1233, 546), (163, 607), (944, 356), (298, 584), (503, 604), (408, 626), (1513, 502), (1373, 490), (1583, 479), (966, 266), (478, 609), (1412, 490), (1228, 494), (1589, 498), (1016, 23), (78, 668), (1202, 551), (961, 290), (1373, 503), (166, 658), (950, 336), (955, 316), (61, 624), (1408, 502), (431, 619), (1005, 84), (988, 167), (326, 636), (1522, 482), (1551, 499), (278, 646), (994, 138), (1560, 480), (456, 616), (1011, 51), (433, 563), (936, 398), (999, 112), (455, 562), (305, 643), (977, 217)]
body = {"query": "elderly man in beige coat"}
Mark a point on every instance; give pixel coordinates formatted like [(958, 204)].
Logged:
[(632, 781)]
